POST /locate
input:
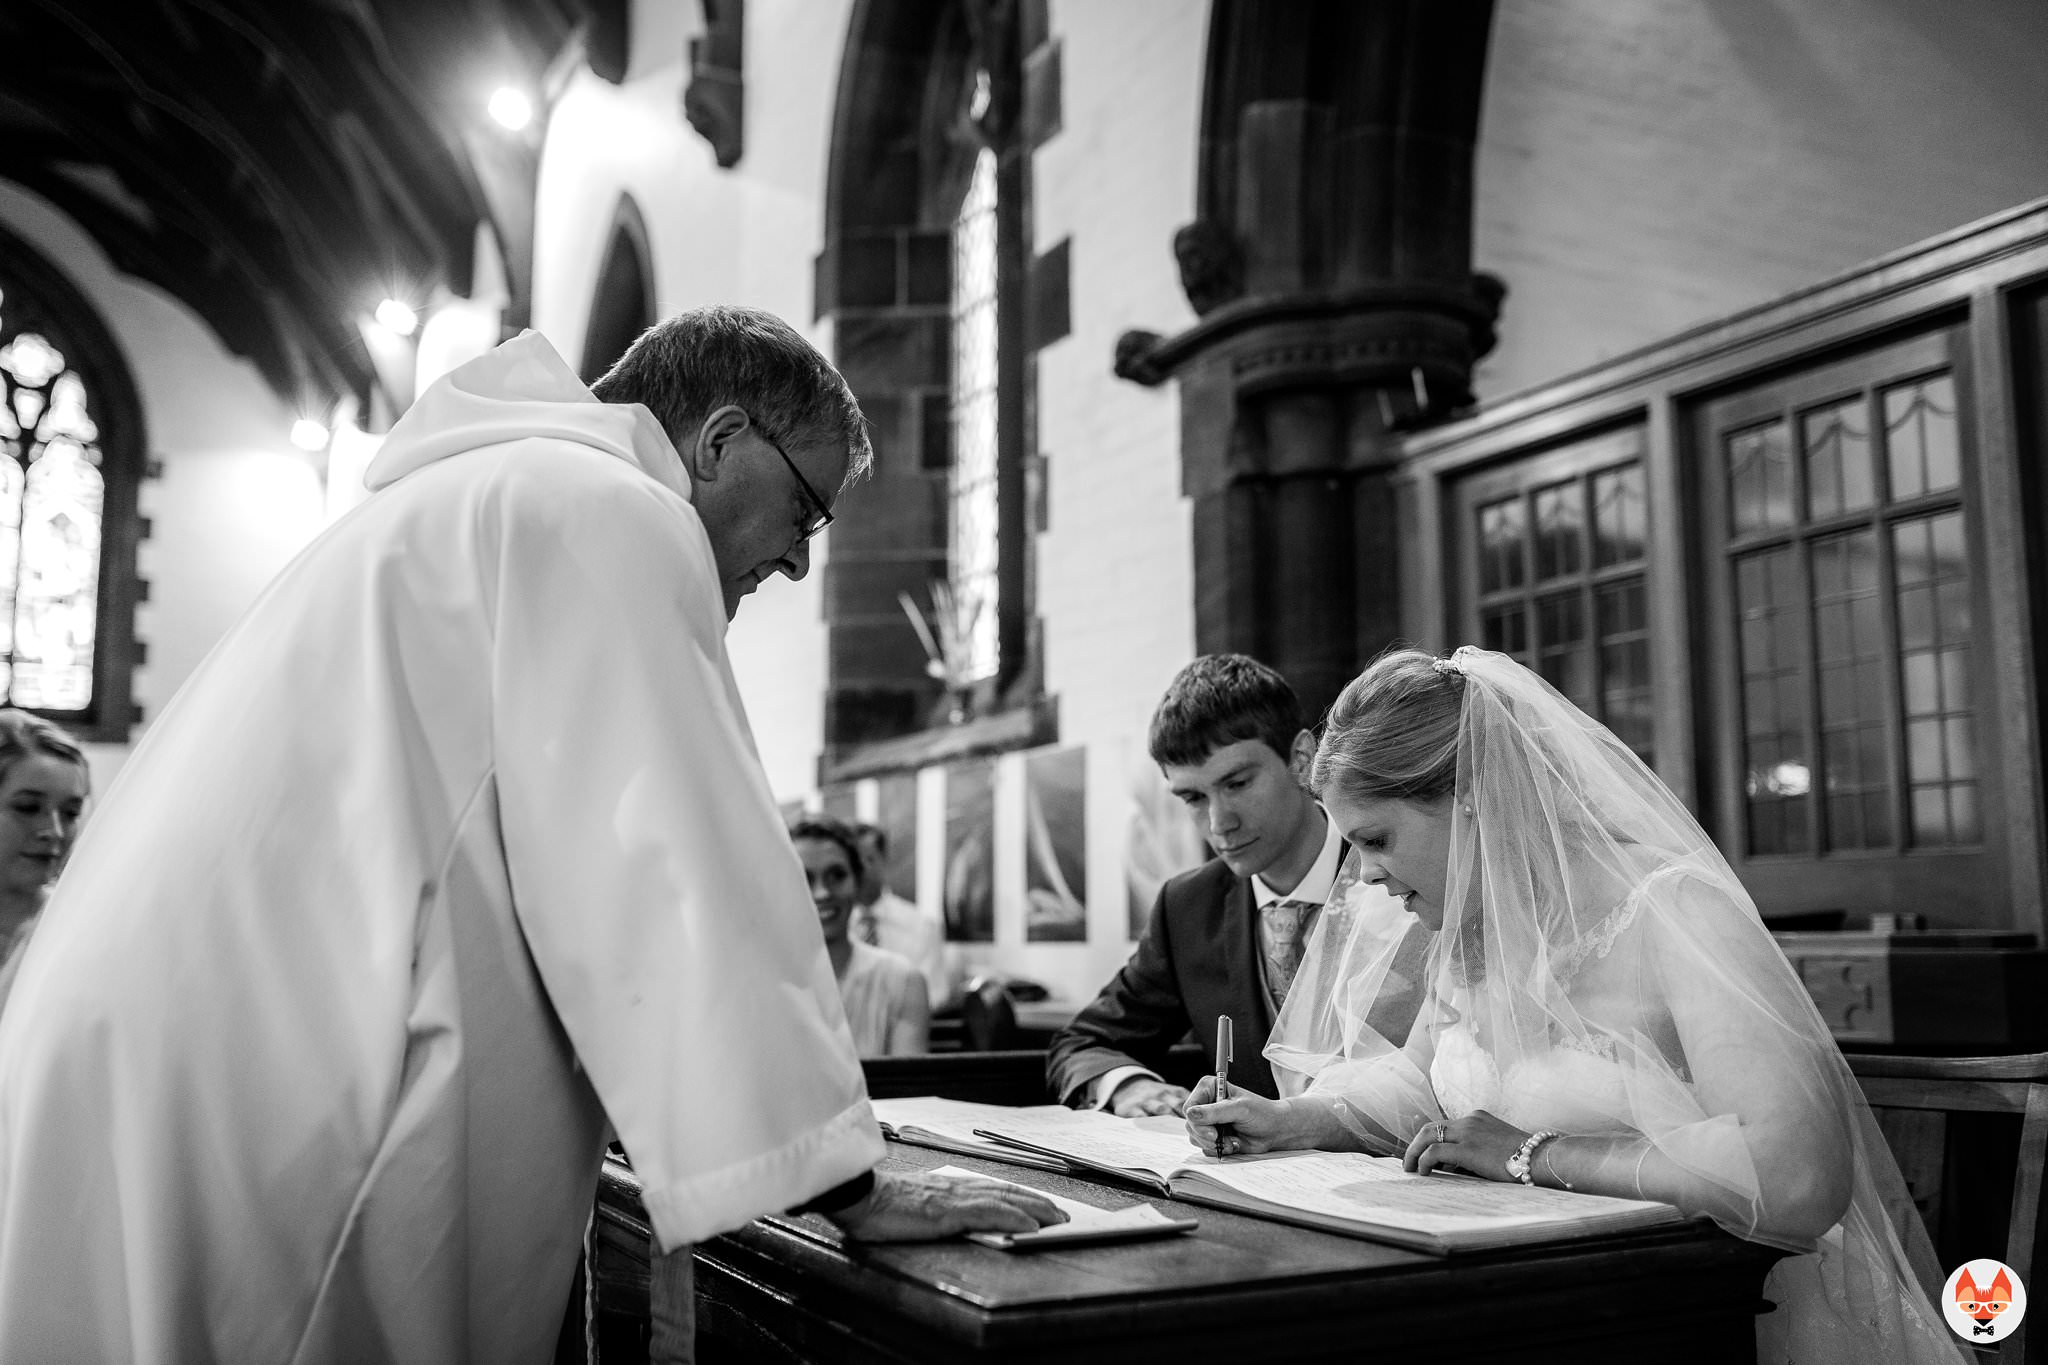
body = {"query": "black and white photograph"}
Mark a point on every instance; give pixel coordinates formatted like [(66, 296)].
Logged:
[(705, 681)]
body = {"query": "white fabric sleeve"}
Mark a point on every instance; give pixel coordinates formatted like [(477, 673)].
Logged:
[(1106, 1084), (657, 890)]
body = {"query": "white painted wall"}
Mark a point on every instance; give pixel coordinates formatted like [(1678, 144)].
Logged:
[(1648, 166), (1115, 565)]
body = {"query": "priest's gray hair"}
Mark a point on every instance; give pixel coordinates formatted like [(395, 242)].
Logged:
[(1393, 731), (687, 367)]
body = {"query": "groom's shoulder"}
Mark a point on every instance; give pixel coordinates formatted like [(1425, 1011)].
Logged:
[(1211, 881)]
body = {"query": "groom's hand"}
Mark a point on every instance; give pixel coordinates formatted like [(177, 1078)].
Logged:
[(1141, 1096)]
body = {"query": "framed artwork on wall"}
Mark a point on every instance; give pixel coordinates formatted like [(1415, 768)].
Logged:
[(1056, 846), (1160, 841), (896, 817), (970, 891)]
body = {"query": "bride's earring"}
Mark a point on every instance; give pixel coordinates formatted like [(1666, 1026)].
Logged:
[(1468, 808)]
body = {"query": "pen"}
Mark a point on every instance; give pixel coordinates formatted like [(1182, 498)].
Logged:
[(1226, 1052)]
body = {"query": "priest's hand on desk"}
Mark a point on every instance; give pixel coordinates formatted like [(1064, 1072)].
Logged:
[(917, 1206)]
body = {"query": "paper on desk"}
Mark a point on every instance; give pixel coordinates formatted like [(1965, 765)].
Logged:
[(1085, 1222)]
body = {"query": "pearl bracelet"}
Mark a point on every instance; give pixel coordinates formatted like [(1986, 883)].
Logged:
[(1518, 1164)]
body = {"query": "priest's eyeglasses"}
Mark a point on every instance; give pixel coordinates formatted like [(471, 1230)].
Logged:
[(818, 516)]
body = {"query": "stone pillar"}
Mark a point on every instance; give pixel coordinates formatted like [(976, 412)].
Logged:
[(1331, 270)]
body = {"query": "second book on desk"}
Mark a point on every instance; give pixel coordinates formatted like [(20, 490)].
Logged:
[(1343, 1192)]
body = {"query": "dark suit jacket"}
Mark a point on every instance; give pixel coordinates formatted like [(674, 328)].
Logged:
[(1199, 959)]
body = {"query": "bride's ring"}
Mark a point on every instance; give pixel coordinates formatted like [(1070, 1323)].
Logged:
[(1443, 1132)]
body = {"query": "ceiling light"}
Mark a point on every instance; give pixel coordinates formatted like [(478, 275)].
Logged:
[(309, 435), (511, 107), (396, 317)]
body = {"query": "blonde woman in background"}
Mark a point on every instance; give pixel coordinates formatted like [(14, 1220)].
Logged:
[(43, 785)]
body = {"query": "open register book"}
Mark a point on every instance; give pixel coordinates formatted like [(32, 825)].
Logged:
[(1342, 1192)]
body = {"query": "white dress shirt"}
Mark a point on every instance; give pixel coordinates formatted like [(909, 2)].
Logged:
[(1315, 886)]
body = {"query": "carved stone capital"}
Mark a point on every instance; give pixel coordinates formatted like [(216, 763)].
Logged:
[(715, 100), (714, 103), (1420, 338), (1134, 352), (1211, 265)]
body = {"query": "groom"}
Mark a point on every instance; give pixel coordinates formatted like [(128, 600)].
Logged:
[(1226, 938)]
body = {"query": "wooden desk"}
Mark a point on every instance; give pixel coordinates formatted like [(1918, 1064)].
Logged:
[(1238, 1289)]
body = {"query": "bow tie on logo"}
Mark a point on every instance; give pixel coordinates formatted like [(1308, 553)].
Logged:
[(1983, 1330)]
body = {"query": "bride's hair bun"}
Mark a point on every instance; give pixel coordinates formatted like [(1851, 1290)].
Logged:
[(1393, 731)]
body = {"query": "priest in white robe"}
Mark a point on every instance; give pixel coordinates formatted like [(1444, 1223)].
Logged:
[(454, 852)]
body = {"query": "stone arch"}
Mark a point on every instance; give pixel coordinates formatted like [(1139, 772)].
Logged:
[(902, 150), (623, 305)]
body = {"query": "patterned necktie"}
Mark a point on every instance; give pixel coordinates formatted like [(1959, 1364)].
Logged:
[(865, 929), (1283, 929)]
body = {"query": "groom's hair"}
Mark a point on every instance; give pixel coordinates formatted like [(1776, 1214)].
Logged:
[(1220, 699)]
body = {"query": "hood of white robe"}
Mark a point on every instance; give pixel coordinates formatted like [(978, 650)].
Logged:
[(522, 389)]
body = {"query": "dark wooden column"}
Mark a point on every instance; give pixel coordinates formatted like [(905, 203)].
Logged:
[(1331, 269)]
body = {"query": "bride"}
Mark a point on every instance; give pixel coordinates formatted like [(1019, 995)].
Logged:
[(1605, 1011)]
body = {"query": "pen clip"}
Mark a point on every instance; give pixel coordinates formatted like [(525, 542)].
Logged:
[(1226, 1045)]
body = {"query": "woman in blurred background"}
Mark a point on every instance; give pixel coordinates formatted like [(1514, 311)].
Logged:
[(887, 1003), (44, 781)]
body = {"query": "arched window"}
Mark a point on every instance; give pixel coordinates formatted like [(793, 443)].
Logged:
[(70, 443), (623, 307), (974, 553), (938, 306)]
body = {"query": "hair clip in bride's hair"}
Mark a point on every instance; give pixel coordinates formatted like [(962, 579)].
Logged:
[(1448, 666)]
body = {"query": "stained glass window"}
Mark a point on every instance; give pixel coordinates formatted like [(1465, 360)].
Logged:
[(52, 498), (1560, 572), (973, 553)]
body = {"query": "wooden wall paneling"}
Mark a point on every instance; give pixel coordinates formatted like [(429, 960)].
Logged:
[(1672, 597), (2001, 512), (1419, 510)]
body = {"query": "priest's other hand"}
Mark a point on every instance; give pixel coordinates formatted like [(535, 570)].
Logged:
[(918, 1206), (1141, 1096)]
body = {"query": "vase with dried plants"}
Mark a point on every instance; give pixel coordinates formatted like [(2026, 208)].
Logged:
[(948, 640)]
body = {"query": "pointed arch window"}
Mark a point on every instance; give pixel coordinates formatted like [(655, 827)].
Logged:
[(52, 499), (938, 305), (974, 555), (69, 462)]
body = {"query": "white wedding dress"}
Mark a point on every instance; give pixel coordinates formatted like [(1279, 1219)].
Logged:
[(1566, 1090)]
